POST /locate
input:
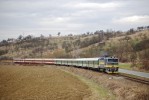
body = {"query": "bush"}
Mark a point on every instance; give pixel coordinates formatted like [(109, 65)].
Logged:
[(144, 59), (5, 58), (2, 52)]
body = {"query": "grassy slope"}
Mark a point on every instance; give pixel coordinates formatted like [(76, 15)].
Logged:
[(97, 90), (116, 85), (133, 36), (60, 40)]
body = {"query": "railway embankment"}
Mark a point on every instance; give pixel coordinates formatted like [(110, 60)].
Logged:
[(121, 87), (135, 74)]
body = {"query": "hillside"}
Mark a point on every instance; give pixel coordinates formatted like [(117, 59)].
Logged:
[(130, 46)]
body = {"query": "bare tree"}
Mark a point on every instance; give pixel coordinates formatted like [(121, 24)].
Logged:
[(58, 33)]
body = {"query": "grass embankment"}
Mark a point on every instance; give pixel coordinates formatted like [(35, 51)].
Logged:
[(97, 90), (122, 88), (35, 82)]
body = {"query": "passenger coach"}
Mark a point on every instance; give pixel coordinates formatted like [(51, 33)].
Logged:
[(105, 64)]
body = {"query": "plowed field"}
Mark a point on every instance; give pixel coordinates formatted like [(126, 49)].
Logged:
[(38, 83)]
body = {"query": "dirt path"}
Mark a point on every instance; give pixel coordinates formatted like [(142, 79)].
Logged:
[(40, 83)]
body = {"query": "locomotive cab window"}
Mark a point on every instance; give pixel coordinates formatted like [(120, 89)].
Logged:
[(112, 61)]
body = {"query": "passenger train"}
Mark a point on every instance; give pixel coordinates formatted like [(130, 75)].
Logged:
[(105, 64)]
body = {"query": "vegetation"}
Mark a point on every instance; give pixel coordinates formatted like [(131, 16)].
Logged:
[(109, 85), (130, 47), (44, 83), (125, 65)]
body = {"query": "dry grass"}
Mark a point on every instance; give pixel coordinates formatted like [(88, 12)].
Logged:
[(40, 83), (133, 36), (52, 83), (122, 88), (98, 92)]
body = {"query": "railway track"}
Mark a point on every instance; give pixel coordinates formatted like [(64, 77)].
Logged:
[(134, 78), (126, 76)]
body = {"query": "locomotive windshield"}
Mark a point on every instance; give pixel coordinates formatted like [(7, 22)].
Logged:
[(112, 61)]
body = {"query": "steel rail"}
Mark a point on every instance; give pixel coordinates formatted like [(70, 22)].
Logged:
[(135, 78)]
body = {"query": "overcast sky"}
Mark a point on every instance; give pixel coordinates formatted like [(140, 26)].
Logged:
[(69, 16)]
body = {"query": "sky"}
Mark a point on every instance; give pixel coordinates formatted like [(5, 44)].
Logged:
[(36, 17)]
